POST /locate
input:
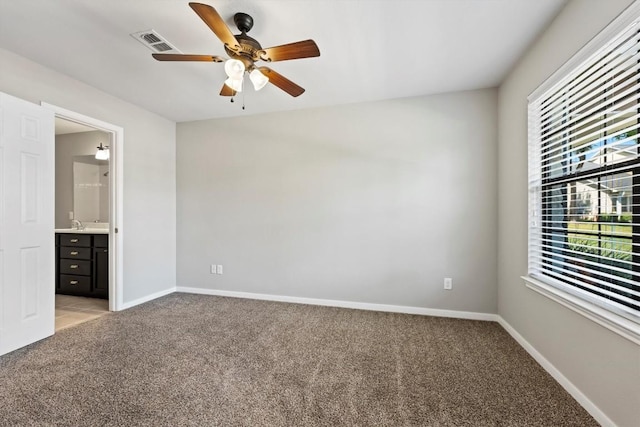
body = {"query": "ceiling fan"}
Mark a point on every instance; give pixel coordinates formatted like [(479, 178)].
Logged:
[(244, 51)]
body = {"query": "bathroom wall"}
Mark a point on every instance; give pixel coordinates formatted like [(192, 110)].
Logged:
[(104, 191)]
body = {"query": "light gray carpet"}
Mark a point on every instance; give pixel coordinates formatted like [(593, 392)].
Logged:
[(191, 360)]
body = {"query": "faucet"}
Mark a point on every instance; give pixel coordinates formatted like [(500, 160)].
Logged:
[(77, 224)]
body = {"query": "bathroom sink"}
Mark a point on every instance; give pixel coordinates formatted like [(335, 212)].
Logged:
[(87, 230)]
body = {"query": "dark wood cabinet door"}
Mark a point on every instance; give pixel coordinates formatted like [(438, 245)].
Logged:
[(101, 241), (101, 272)]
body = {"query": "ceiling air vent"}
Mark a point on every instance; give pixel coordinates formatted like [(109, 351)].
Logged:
[(154, 41)]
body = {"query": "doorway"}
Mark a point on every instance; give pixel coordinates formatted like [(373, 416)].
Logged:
[(81, 216), (112, 175)]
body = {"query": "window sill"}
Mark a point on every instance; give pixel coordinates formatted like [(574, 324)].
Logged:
[(614, 322)]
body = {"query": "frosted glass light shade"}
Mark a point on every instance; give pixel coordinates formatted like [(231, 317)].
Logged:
[(102, 153), (235, 84), (234, 68), (258, 79)]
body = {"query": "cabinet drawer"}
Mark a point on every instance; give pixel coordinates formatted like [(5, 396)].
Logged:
[(101, 241), (83, 240), (72, 266), (75, 284), (75, 253)]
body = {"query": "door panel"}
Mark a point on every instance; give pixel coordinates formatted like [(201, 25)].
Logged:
[(29, 281), (26, 223), (29, 187)]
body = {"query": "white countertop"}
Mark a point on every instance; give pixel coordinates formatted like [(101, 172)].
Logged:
[(85, 231)]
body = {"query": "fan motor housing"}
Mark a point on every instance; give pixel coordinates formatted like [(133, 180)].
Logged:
[(249, 49)]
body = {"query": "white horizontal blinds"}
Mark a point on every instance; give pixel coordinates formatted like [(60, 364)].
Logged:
[(584, 177)]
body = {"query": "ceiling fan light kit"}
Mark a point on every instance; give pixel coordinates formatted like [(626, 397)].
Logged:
[(258, 79), (235, 83), (244, 51), (234, 68)]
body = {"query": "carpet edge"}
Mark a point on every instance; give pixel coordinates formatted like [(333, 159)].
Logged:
[(571, 388)]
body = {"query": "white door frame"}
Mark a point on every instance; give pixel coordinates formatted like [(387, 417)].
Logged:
[(116, 185)]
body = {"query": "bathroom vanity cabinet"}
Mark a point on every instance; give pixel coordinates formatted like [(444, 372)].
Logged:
[(82, 264)]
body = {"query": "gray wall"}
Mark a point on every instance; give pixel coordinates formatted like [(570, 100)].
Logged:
[(149, 227), (373, 202), (604, 366), (67, 146)]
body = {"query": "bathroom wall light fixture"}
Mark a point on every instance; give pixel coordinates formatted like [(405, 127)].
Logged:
[(103, 152)]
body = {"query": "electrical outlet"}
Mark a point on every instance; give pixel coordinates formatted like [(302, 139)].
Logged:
[(219, 269), (448, 283), (213, 269)]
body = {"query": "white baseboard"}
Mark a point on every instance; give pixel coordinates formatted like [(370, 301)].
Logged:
[(147, 298), (345, 304), (574, 391)]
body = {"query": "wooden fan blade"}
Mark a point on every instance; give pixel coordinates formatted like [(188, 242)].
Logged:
[(227, 91), (213, 20), (297, 50), (182, 57), (282, 82)]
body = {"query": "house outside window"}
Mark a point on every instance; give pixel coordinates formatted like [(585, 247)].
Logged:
[(584, 176)]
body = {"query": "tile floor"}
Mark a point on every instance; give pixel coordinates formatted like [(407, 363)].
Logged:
[(71, 311)]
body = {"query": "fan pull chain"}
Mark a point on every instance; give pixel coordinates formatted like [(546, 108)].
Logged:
[(235, 93)]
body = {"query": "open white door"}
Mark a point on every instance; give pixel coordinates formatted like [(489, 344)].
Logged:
[(27, 282)]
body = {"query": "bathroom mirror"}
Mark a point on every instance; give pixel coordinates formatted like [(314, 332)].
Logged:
[(90, 189)]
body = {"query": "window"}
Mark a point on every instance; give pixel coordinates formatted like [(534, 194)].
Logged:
[(584, 175)]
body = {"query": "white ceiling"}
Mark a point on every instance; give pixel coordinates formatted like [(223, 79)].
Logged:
[(370, 49), (64, 127)]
